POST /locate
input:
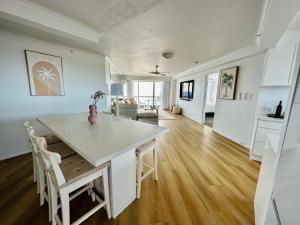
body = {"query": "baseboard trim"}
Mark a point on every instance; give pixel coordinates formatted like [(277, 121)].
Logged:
[(231, 139), (223, 135), (15, 155), (256, 158)]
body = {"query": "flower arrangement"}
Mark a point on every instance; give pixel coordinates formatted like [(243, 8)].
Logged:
[(96, 96)]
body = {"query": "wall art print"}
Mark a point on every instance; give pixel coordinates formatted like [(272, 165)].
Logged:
[(45, 74)]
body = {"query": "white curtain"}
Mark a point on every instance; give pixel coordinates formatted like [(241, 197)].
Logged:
[(129, 88), (165, 95)]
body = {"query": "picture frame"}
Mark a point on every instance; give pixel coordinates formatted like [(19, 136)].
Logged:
[(228, 82), (45, 74)]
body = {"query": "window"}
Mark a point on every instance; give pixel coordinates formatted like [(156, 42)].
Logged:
[(147, 93)]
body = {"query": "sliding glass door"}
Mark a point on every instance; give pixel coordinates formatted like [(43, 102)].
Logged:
[(147, 93)]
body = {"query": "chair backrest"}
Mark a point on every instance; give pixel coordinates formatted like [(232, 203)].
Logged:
[(27, 127), (27, 124), (32, 137), (51, 160)]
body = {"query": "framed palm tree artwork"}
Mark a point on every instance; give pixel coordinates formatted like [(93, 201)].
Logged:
[(228, 81), (45, 74)]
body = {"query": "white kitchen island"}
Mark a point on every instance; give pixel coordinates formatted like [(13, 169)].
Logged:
[(111, 139)]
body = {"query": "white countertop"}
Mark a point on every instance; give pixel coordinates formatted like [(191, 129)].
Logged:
[(100, 142), (271, 119)]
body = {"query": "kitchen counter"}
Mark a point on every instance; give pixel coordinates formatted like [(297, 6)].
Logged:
[(271, 119), (109, 137)]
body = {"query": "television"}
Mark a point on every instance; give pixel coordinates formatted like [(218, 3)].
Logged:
[(186, 90)]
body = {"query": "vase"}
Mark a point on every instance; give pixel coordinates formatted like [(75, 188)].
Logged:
[(93, 117)]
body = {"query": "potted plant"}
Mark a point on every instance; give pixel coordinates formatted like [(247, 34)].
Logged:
[(93, 117)]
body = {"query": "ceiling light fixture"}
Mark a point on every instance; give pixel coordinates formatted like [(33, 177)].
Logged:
[(168, 55)]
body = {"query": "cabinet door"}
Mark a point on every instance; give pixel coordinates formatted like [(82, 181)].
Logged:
[(258, 148), (261, 133), (279, 66)]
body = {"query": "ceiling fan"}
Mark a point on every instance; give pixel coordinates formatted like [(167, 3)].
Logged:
[(156, 72)]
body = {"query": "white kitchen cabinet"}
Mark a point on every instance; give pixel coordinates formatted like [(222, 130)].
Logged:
[(270, 217), (265, 179), (279, 66), (262, 127)]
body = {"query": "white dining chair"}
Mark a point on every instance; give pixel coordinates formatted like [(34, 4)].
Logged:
[(28, 127), (72, 175), (50, 138), (40, 172), (141, 151), (38, 167), (59, 147)]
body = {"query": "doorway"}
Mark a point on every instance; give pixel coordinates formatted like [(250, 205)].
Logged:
[(210, 99)]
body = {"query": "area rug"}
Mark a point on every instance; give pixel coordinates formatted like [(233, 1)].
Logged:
[(162, 114), (165, 115)]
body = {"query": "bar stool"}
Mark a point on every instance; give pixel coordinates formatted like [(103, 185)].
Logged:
[(141, 151), (72, 175), (40, 170), (50, 138), (59, 147)]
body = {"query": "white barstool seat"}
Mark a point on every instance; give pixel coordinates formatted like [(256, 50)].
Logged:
[(72, 175), (141, 151)]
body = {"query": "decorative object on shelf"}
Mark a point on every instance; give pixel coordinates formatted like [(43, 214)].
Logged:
[(93, 117), (45, 74), (228, 80), (176, 109), (278, 110)]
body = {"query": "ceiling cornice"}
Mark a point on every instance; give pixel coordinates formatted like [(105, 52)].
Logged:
[(233, 56), (31, 14)]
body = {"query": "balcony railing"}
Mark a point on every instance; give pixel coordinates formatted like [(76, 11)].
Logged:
[(144, 101)]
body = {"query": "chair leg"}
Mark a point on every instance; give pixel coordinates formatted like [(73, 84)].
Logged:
[(41, 183), (106, 192), (65, 207), (53, 195), (49, 193), (34, 168), (155, 163), (139, 176), (91, 193)]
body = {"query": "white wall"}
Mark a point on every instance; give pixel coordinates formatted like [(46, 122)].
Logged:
[(192, 109), (233, 119), (83, 73)]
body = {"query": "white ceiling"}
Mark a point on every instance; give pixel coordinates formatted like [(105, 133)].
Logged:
[(136, 32), (295, 23)]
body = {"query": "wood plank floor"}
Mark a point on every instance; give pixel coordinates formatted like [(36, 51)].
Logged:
[(204, 179)]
